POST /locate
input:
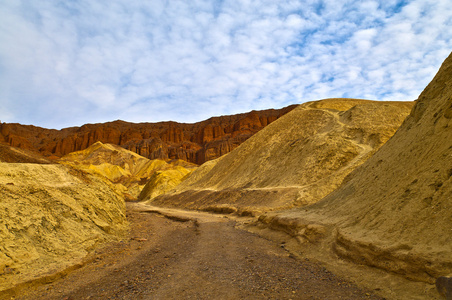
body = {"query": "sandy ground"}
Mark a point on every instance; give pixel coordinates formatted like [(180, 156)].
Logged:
[(185, 255)]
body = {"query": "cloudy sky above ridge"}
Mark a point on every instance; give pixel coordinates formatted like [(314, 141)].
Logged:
[(67, 63)]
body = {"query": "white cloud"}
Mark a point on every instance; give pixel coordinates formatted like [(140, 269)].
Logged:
[(69, 63)]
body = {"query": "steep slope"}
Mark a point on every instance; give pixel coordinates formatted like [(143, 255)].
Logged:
[(295, 161), (51, 216), (162, 182), (17, 155), (395, 211), (196, 143), (126, 169)]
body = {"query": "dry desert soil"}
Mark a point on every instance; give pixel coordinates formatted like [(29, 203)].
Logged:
[(174, 254)]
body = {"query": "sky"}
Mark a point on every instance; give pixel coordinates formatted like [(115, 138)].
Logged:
[(72, 62)]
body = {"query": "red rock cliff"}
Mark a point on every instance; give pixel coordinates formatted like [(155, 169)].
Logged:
[(197, 143)]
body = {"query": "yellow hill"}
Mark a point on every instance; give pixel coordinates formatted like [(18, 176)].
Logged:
[(295, 161), (395, 211), (126, 169), (51, 216), (112, 172), (163, 181), (99, 153)]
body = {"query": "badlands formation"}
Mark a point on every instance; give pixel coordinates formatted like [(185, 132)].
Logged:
[(196, 143), (295, 161), (51, 217), (395, 211), (128, 171), (388, 208), (362, 187)]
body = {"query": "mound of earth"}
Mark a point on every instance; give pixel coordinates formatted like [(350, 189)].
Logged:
[(295, 161), (51, 216), (395, 211), (126, 169), (163, 181)]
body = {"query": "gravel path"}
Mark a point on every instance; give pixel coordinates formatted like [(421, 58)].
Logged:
[(195, 258)]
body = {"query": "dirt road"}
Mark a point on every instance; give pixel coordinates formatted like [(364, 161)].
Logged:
[(194, 256)]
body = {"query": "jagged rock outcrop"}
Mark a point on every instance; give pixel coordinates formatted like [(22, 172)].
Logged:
[(196, 143)]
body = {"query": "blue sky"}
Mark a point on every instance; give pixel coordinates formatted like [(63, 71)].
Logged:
[(67, 63)]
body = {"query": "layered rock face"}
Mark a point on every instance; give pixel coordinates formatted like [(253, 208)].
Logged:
[(196, 143)]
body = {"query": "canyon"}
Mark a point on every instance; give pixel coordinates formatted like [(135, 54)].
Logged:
[(360, 188)]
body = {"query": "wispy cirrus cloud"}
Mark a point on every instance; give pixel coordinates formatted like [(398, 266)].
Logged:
[(65, 63)]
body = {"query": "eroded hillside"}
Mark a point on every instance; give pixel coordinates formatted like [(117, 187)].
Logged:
[(128, 171), (16, 155), (295, 161), (395, 211), (51, 216)]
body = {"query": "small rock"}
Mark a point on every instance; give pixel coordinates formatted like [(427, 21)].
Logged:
[(444, 286)]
